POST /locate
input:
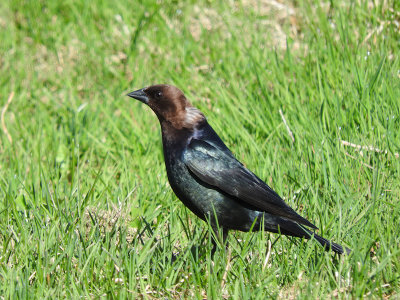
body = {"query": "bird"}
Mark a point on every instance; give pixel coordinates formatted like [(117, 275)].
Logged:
[(205, 175)]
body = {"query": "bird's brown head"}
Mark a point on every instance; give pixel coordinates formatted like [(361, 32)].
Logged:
[(169, 104)]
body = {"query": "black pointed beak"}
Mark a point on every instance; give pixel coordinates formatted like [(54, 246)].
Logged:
[(139, 95)]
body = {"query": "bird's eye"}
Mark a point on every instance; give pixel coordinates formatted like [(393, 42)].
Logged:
[(158, 94)]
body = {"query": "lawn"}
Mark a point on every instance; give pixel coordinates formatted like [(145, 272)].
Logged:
[(305, 93)]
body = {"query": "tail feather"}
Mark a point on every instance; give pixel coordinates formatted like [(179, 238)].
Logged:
[(330, 245), (291, 228)]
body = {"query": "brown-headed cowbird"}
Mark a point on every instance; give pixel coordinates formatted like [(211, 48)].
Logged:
[(209, 180)]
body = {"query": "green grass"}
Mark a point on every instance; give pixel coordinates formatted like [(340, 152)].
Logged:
[(85, 206)]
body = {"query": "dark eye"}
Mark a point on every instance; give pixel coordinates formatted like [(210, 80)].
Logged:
[(158, 94)]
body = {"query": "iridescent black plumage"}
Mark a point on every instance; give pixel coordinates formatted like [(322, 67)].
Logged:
[(209, 180)]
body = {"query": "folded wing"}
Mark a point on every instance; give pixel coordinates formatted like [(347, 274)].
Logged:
[(217, 167)]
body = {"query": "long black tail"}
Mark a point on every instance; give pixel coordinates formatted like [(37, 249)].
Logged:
[(330, 245), (291, 228)]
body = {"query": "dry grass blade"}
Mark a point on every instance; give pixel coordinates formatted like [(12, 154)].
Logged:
[(3, 123), (355, 158), (287, 126), (228, 265), (268, 254), (367, 148)]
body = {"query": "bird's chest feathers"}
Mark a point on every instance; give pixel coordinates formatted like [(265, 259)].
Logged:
[(199, 198)]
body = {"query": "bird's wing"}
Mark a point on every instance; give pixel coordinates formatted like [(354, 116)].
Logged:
[(217, 168)]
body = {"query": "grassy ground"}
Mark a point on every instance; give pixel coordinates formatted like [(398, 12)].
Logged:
[(85, 206)]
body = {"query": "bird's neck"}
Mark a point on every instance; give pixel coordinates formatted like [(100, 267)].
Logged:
[(173, 137), (188, 117)]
